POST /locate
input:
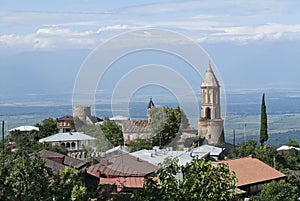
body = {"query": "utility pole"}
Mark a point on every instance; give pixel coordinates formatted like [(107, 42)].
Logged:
[(233, 137), (3, 144), (245, 132)]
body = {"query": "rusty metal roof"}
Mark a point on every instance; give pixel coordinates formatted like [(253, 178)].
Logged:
[(123, 165), (67, 161)]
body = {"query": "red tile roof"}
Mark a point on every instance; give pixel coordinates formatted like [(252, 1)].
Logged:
[(251, 170)]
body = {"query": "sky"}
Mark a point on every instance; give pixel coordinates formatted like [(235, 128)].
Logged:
[(255, 45)]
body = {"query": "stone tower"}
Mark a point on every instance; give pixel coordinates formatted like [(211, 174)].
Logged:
[(210, 125), (83, 113)]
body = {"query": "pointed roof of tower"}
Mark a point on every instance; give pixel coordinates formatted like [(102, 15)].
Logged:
[(150, 104), (210, 79)]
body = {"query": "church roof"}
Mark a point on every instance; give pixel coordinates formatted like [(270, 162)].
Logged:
[(150, 104), (210, 79)]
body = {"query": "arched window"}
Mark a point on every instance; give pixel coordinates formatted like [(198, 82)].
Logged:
[(208, 113), (73, 144), (63, 144), (68, 144)]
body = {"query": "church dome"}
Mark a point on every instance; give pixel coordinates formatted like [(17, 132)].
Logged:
[(210, 79)]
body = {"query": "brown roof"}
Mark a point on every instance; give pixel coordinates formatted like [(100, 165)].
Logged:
[(250, 170), (67, 161), (123, 165), (135, 126), (65, 118), (121, 182)]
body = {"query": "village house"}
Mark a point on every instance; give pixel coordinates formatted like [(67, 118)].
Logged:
[(56, 161), (252, 173), (64, 124), (157, 156), (284, 149), (73, 141), (124, 172)]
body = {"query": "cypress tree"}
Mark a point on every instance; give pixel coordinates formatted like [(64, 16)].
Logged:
[(263, 122)]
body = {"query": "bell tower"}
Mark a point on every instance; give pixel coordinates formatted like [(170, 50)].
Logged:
[(210, 125)]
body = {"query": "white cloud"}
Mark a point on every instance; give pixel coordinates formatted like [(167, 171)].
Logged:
[(203, 21), (113, 28)]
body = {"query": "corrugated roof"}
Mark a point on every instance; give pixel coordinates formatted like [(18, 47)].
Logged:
[(214, 151), (70, 136), (251, 170), (68, 161), (157, 156), (123, 165), (25, 128), (135, 126), (124, 182)]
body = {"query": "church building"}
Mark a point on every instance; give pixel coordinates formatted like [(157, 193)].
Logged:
[(210, 125)]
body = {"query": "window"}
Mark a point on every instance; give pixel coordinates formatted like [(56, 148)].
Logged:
[(73, 144), (208, 113)]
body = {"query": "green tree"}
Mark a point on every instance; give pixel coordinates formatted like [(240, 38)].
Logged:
[(27, 179), (292, 159), (263, 122), (165, 123), (292, 143), (244, 149), (139, 144), (112, 132), (101, 143), (200, 180), (47, 128), (277, 191), (267, 154), (67, 185)]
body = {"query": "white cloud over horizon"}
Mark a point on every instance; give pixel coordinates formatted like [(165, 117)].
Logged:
[(204, 22)]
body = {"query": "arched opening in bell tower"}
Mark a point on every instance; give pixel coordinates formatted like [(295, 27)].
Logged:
[(208, 113)]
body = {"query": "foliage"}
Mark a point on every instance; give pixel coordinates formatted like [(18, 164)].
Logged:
[(244, 149), (263, 122), (78, 193), (27, 179), (292, 143), (292, 178), (139, 144), (267, 154), (112, 132), (101, 143), (200, 181), (66, 185), (277, 191), (165, 123), (47, 128), (292, 159)]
